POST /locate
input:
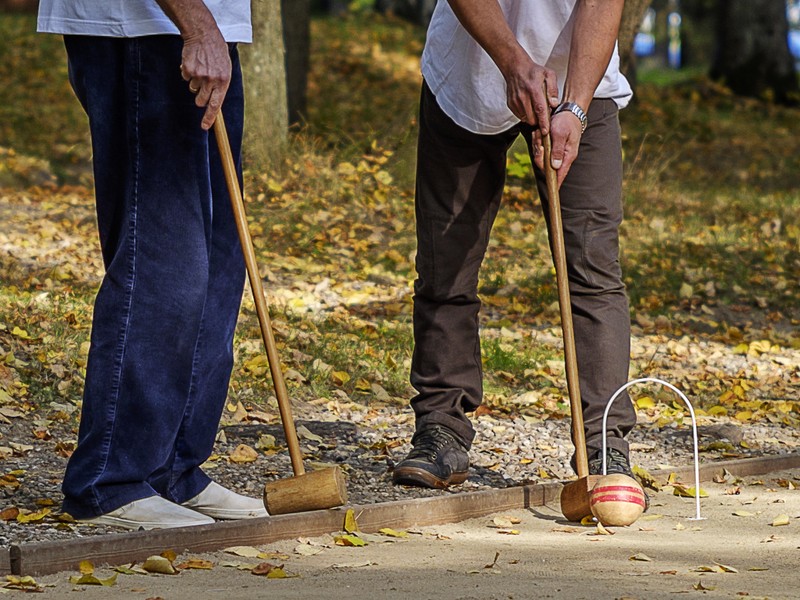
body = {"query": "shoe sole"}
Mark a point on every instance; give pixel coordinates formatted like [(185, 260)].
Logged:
[(135, 525), (230, 514), (422, 478)]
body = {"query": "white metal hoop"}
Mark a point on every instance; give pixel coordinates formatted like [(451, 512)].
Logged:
[(694, 432)]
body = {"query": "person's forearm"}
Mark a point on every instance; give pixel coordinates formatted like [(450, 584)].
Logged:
[(191, 17), (486, 23), (593, 40)]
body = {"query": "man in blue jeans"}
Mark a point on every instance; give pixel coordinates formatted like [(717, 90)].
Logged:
[(494, 70), (152, 76)]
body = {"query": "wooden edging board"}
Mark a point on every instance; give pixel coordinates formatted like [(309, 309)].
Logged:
[(5, 562), (119, 549)]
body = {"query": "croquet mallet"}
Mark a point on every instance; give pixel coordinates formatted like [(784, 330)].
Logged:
[(314, 490), (575, 495)]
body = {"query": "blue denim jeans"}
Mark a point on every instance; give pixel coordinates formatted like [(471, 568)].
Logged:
[(164, 317), (460, 179)]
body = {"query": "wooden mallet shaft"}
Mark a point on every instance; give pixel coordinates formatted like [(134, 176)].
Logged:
[(575, 497), (306, 491)]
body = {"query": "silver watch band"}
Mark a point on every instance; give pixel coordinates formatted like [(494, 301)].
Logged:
[(575, 110)]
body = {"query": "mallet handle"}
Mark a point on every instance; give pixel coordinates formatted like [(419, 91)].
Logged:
[(564, 302), (229, 167)]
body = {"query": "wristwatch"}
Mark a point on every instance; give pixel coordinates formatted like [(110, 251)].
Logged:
[(575, 110)]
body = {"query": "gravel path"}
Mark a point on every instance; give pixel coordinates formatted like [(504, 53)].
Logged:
[(367, 441)]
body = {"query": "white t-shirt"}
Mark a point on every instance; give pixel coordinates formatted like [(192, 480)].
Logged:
[(468, 85), (136, 18)]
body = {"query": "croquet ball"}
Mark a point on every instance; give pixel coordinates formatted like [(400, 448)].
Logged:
[(617, 500)]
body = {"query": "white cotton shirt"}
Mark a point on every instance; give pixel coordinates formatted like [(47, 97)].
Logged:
[(136, 18), (468, 85)]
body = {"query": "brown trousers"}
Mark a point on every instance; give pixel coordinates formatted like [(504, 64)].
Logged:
[(460, 179)]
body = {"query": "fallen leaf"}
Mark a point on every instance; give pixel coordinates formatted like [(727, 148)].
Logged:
[(243, 454), (270, 571), (353, 565), (641, 557), (89, 579), (349, 540), (700, 587), (392, 533), (195, 563), (727, 568), (494, 562), (307, 550), (350, 523), (780, 520), (159, 564), (245, 551)]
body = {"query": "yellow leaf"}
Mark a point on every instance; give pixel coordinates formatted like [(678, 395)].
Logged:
[(257, 365), (350, 524), (780, 520), (602, 530), (717, 411), (246, 551), (741, 348), (645, 402), (159, 564), (33, 517), (85, 567), (20, 333), (641, 557), (349, 540), (392, 533), (760, 347), (700, 587), (743, 513), (89, 579), (340, 377), (588, 521), (270, 571), (726, 568), (195, 563), (243, 454), (743, 415), (687, 492)]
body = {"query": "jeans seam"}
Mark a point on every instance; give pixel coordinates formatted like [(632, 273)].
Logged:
[(130, 285)]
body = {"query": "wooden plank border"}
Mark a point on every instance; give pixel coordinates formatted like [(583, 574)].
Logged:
[(117, 549), (743, 467), (5, 562)]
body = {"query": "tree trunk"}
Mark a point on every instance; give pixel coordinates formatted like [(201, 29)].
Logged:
[(297, 40), (30, 6), (752, 50), (266, 116), (632, 16)]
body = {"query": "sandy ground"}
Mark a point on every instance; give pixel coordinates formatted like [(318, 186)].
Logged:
[(736, 551)]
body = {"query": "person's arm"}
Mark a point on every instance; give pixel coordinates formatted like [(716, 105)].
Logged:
[(593, 40), (206, 63), (525, 80)]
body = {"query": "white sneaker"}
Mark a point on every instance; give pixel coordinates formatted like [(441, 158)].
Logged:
[(151, 513), (221, 503)]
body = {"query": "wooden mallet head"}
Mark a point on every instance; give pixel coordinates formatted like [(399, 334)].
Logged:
[(313, 490)]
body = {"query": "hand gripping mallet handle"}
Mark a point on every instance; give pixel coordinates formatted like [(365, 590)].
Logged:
[(562, 281), (315, 490)]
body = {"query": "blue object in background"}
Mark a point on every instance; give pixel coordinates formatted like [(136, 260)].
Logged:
[(644, 44)]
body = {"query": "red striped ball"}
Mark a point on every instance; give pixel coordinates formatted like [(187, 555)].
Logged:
[(617, 500)]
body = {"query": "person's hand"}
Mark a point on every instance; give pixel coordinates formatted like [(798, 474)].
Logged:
[(565, 133), (206, 65), (531, 92)]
